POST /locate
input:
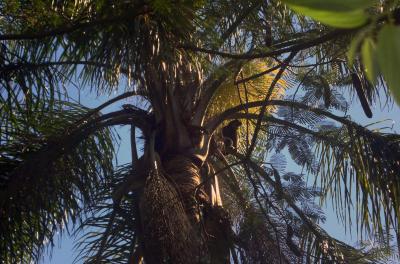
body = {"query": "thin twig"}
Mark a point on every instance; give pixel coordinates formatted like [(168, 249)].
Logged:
[(267, 98), (216, 121), (294, 48)]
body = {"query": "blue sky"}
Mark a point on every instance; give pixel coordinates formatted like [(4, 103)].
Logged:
[(64, 253)]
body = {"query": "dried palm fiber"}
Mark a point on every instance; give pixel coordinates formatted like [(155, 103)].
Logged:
[(186, 177), (167, 230)]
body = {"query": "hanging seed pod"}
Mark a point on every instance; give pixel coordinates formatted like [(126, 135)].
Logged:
[(166, 228), (360, 92)]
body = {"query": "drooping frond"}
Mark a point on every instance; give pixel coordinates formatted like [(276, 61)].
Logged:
[(46, 175), (371, 161), (109, 232)]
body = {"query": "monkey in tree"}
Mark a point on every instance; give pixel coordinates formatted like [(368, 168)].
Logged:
[(230, 134)]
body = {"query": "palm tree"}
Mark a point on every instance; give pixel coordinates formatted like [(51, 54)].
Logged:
[(191, 67)]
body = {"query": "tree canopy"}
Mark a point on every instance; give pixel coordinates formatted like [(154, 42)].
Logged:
[(281, 70)]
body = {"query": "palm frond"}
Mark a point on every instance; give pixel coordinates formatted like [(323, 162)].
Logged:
[(370, 160), (46, 179), (109, 231)]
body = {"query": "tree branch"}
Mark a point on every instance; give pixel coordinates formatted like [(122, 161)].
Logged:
[(293, 48), (267, 97), (216, 121), (17, 66), (134, 152), (73, 27), (239, 20), (255, 76), (284, 123)]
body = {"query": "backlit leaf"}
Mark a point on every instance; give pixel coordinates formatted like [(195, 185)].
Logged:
[(368, 55), (389, 58), (350, 19), (332, 5), (354, 47)]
